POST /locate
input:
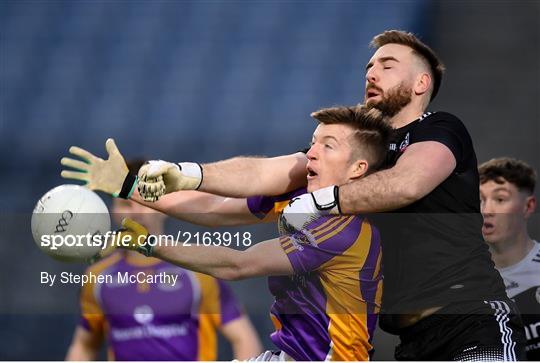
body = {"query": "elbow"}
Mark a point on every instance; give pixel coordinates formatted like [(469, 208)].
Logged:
[(410, 193), (218, 220), (215, 216), (228, 274), (236, 270), (211, 223)]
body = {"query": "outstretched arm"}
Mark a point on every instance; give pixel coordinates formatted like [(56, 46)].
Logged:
[(262, 259), (245, 177), (203, 208), (421, 168), (237, 177)]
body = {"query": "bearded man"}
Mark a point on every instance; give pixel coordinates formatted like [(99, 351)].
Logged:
[(442, 294)]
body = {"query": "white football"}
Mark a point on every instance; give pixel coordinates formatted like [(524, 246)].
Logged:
[(69, 222)]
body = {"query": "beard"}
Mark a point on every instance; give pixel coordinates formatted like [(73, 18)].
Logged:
[(392, 100)]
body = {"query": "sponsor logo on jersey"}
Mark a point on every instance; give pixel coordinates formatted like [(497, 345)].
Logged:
[(297, 241), (532, 331), (299, 279), (404, 143), (143, 314)]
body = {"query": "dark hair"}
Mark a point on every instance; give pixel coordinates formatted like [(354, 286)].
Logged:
[(514, 171), (419, 48), (372, 132)]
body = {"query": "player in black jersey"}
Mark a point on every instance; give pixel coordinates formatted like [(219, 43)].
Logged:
[(442, 294), (507, 202)]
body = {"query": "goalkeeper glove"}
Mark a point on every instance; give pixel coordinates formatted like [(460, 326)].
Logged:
[(304, 209), (158, 177), (110, 176), (132, 236)]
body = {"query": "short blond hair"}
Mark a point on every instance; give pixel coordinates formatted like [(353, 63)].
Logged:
[(372, 132)]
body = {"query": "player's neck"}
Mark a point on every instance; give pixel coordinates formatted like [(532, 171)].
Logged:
[(407, 115), (509, 253)]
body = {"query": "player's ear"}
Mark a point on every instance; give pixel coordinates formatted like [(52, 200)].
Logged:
[(359, 168), (530, 206), (423, 82)]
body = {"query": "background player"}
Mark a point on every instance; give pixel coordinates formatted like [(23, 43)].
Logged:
[(507, 201), (144, 321), (327, 278)]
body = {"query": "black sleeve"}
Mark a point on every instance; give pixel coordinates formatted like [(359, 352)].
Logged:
[(446, 129)]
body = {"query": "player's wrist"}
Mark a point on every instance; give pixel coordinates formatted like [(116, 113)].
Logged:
[(134, 236), (327, 200), (192, 175), (128, 187), (146, 247), (129, 240)]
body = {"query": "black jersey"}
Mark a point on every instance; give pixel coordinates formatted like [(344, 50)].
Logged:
[(522, 282), (433, 249)]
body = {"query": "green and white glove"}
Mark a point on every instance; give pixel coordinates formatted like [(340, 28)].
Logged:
[(158, 177), (110, 176)]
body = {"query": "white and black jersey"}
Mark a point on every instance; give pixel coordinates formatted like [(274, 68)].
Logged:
[(522, 282), (434, 252), (434, 255)]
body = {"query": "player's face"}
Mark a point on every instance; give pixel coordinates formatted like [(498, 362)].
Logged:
[(330, 157), (390, 76), (504, 209)]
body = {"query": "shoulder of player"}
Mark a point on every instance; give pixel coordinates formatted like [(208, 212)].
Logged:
[(337, 224), (531, 262), (530, 295), (441, 116), (536, 254), (260, 205), (327, 220), (444, 122), (109, 261), (286, 196), (527, 270), (209, 285)]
